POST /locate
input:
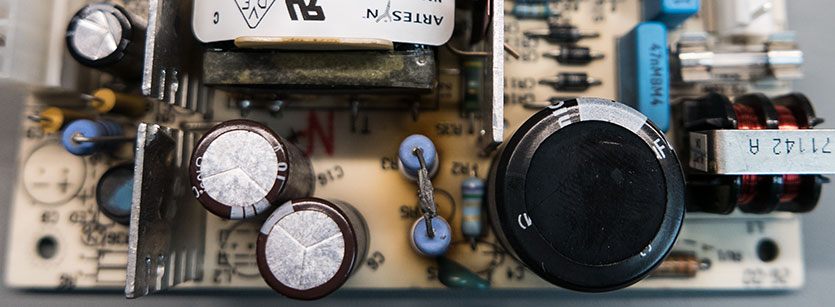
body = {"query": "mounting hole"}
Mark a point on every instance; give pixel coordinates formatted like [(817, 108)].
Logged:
[(767, 250), (47, 247)]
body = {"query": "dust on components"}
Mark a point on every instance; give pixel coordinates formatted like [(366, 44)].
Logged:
[(757, 154), (241, 168), (308, 248), (598, 217)]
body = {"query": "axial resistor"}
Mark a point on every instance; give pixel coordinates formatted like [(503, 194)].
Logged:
[(472, 195), (531, 10)]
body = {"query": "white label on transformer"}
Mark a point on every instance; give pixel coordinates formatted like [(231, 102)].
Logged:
[(408, 21)]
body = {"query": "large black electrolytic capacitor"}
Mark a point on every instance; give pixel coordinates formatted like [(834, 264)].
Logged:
[(588, 194)]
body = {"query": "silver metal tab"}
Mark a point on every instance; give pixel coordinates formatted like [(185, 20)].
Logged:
[(492, 107), (166, 241), (763, 152)]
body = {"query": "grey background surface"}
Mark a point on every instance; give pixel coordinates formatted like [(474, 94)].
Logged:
[(814, 22)]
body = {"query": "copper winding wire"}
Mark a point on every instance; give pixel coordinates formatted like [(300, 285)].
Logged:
[(747, 119), (791, 183)]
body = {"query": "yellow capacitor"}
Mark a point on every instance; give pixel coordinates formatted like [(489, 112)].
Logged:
[(53, 119), (109, 101)]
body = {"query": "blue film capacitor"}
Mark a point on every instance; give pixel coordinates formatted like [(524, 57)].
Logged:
[(88, 129), (472, 194), (408, 162), (436, 245)]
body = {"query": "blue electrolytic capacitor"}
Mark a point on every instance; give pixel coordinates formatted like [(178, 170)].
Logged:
[(409, 163), (472, 195), (436, 245), (91, 130)]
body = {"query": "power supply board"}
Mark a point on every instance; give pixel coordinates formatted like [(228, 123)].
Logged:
[(307, 146)]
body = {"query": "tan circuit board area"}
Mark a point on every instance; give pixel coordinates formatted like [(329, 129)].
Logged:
[(54, 198)]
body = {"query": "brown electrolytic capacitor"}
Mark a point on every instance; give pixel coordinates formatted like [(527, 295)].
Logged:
[(308, 248), (241, 168)]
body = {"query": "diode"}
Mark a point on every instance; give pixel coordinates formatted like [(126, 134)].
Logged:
[(85, 137), (573, 55), (561, 34), (571, 82), (108, 101), (472, 195), (408, 162)]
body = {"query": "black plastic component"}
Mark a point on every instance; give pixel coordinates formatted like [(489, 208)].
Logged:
[(588, 194)]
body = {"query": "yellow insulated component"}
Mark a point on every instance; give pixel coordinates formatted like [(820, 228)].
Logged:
[(52, 119), (109, 101)]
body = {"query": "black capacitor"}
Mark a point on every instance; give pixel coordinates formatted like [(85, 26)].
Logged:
[(308, 248), (571, 82), (241, 168), (588, 194), (107, 37)]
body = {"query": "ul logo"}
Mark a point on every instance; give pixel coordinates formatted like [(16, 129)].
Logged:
[(309, 11)]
